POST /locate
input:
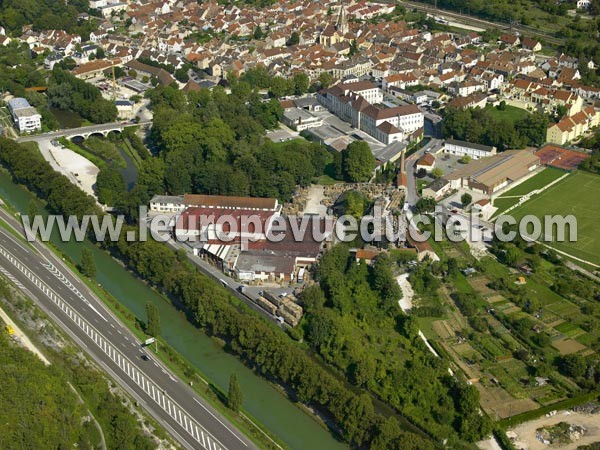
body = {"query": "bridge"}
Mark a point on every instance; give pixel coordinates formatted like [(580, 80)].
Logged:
[(83, 132)]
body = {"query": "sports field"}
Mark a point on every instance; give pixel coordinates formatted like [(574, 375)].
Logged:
[(576, 195), (512, 197)]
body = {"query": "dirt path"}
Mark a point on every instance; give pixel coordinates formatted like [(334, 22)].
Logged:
[(407, 292), (22, 337)]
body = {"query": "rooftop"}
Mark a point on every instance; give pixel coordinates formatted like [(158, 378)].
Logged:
[(222, 201)]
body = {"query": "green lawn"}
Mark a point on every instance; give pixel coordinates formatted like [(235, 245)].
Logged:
[(511, 113), (575, 195), (511, 197)]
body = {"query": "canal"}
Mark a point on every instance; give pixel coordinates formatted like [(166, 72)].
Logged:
[(261, 400)]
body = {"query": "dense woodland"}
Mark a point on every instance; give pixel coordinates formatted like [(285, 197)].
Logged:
[(39, 410), (353, 322), (45, 15), (214, 143), (69, 93)]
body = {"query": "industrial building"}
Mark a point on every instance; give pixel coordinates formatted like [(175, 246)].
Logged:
[(490, 175), (25, 116), (470, 149)]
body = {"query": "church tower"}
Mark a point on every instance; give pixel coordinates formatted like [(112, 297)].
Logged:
[(342, 22)]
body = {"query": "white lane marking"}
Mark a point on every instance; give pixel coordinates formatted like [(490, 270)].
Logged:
[(112, 352), (58, 274), (219, 420)]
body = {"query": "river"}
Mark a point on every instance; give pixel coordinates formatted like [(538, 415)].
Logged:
[(263, 401)]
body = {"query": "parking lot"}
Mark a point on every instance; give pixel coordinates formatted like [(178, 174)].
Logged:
[(282, 134), (335, 128), (448, 163)]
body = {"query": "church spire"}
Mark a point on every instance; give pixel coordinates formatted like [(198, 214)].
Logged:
[(342, 22)]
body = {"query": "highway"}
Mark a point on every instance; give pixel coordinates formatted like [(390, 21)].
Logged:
[(76, 310), (471, 20)]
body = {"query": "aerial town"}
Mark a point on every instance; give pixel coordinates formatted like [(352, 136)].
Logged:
[(137, 137)]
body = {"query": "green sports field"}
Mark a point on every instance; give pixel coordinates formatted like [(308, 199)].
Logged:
[(576, 195), (511, 197)]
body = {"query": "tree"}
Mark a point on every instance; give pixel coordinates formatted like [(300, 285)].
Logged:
[(560, 112), (465, 159), (466, 199), (280, 87), (355, 204), (110, 186), (573, 365), (325, 79), (421, 173), (294, 39), (182, 75), (512, 256), (87, 266), (353, 48), (258, 33), (425, 204), (301, 83), (100, 54), (152, 320), (234, 395), (32, 209), (358, 162), (437, 173)]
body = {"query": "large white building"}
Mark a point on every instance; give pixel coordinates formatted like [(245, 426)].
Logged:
[(356, 103), (25, 116), (470, 149)]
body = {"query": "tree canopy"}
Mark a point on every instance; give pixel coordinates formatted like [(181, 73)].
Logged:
[(481, 126), (358, 162)]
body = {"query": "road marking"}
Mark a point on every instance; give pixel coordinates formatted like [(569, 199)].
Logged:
[(113, 353), (219, 420)]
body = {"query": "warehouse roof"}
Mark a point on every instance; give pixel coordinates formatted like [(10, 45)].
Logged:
[(510, 165)]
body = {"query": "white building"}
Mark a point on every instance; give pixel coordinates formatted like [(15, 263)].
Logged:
[(356, 103), (25, 116), (125, 108), (300, 119), (470, 149), (107, 10), (167, 203)]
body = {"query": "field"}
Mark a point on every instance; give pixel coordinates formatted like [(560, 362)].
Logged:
[(511, 113), (575, 195), (511, 197)]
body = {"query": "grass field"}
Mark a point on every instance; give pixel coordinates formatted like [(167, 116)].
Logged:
[(511, 113), (575, 195), (511, 197)]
